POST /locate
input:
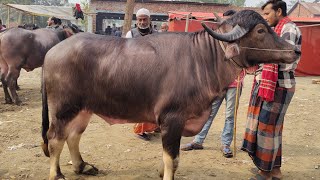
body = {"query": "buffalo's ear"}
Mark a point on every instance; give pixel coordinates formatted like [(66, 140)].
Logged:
[(232, 50)]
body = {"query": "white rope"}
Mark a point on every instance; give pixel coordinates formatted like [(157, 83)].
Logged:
[(258, 49), (302, 26), (313, 25)]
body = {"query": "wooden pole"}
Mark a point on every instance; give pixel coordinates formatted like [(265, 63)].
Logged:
[(128, 17), (8, 18), (187, 23), (235, 118)]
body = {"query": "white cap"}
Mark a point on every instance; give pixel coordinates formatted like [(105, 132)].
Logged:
[(143, 11)]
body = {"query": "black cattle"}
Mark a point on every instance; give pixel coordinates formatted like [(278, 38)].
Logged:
[(169, 79)]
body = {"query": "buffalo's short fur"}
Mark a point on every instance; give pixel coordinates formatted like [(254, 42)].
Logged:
[(169, 79)]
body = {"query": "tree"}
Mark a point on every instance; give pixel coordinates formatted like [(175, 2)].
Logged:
[(128, 16)]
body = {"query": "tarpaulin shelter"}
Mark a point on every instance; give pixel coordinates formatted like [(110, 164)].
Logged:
[(309, 64), (178, 21), (40, 10)]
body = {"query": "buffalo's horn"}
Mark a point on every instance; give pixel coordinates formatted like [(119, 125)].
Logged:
[(236, 33), (218, 18)]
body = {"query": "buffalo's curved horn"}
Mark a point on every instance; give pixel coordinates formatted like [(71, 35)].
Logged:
[(218, 18), (236, 33)]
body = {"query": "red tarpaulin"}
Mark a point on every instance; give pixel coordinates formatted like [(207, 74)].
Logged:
[(309, 64)]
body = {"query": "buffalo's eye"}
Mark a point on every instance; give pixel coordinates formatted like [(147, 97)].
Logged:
[(261, 31)]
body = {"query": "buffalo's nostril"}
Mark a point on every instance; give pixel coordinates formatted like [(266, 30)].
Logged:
[(297, 51)]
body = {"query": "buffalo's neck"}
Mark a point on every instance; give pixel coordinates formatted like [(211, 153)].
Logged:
[(221, 72), (61, 34)]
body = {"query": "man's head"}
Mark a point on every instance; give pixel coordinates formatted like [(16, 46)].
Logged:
[(53, 21), (143, 18), (229, 13), (164, 27), (273, 11)]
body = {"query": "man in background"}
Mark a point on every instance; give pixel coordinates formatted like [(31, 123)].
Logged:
[(164, 27), (143, 24), (143, 28), (54, 23)]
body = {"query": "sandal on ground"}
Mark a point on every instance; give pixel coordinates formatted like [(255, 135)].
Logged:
[(144, 136), (226, 152), (191, 146)]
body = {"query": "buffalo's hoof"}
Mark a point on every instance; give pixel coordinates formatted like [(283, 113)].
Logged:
[(161, 170), (18, 102), (87, 169), (45, 149), (9, 101), (58, 177)]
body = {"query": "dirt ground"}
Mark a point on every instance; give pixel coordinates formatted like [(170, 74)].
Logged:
[(120, 155)]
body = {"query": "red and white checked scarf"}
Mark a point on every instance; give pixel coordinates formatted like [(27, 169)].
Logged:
[(269, 75)]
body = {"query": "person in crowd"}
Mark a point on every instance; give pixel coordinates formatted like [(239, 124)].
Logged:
[(227, 133), (273, 89), (118, 32), (164, 27), (2, 27), (108, 30), (54, 23), (143, 28)]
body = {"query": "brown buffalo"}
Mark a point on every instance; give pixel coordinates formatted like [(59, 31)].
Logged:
[(21, 48), (169, 79)]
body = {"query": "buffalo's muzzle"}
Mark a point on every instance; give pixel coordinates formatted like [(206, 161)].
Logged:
[(297, 51)]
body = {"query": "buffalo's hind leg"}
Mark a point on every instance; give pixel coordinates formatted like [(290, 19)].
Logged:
[(11, 80), (74, 131), (171, 131), (7, 96), (55, 146), (70, 131), (3, 73)]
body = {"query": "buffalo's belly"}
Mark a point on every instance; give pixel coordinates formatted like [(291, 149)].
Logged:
[(113, 121), (194, 125)]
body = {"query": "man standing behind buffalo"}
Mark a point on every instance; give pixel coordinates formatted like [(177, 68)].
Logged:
[(272, 92), (54, 23), (143, 28), (143, 24)]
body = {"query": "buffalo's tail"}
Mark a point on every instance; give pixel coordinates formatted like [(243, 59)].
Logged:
[(45, 116)]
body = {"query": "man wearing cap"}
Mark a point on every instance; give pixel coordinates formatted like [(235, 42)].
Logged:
[(143, 24), (143, 28)]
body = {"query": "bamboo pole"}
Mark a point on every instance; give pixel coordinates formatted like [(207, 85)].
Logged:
[(235, 118)]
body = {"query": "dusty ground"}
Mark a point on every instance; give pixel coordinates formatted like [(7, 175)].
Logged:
[(119, 155)]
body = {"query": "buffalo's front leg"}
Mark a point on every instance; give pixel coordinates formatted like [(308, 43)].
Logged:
[(17, 86), (171, 131)]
